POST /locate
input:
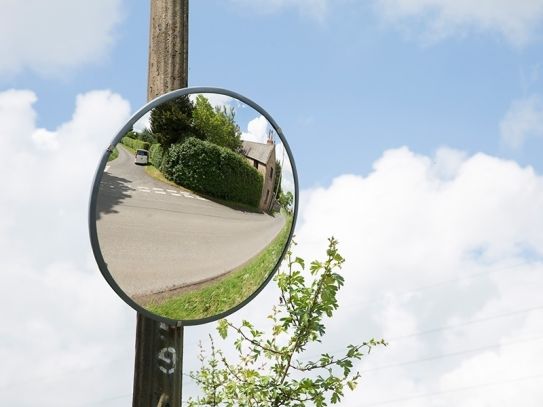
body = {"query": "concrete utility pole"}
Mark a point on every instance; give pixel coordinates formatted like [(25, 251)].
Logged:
[(168, 47), (159, 347)]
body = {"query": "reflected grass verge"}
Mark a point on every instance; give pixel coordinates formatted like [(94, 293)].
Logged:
[(228, 291), (113, 155)]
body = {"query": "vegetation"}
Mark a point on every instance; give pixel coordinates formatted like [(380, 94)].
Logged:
[(134, 144), (113, 155), (286, 200), (156, 155), (268, 370), (216, 125), (224, 294), (145, 135), (171, 122), (216, 171)]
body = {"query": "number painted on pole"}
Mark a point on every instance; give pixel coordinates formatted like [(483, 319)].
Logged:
[(167, 360)]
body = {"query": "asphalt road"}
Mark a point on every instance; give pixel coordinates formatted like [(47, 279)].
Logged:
[(155, 237)]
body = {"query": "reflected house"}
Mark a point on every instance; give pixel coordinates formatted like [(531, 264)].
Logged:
[(262, 157)]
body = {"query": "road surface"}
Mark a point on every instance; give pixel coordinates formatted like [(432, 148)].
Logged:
[(156, 237)]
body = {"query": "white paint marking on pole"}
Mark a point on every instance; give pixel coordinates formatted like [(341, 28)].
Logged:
[(167, 355)]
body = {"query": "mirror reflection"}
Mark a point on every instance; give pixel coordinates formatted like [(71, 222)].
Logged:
[(195, 206)]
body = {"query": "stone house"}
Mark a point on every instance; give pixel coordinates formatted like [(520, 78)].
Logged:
[(262, 157)]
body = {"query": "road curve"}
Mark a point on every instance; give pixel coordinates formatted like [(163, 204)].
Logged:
[(155, 237)]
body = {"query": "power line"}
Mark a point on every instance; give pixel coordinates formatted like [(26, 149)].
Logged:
[(471, 322), (455, 390), (452, 354), (448, 327), (442, 283), (101, 401), (48, 378)]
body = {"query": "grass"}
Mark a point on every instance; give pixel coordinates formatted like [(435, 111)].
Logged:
[(114, 154), (224, 294)]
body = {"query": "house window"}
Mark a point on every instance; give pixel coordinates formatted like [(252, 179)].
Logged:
[(255, 163), (271, 173), (267, 196)]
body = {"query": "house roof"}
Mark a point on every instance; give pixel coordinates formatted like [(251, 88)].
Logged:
[(257, 151)]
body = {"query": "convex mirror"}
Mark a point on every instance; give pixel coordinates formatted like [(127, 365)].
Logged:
[(193, 205)]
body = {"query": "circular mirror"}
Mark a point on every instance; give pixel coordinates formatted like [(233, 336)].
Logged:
[(193, 205)]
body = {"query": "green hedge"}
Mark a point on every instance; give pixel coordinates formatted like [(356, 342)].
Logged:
[(156, 155), (135, 144), (215, 171)]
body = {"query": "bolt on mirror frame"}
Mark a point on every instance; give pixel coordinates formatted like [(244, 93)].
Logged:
[(96, 185)]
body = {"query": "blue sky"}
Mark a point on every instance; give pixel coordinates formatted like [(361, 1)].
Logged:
[(417, 130), (346, 79)]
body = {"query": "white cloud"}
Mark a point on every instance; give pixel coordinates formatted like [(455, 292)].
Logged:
[(467, 221), (416, 221), (60, 35), (257, 130), (215, 99), (143, 123), (315, 9), (524, 119), (64, 327), (517, 21)]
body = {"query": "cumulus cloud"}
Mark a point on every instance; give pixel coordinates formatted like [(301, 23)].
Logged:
[(143, 123), (63, 320), (524, 119), (434, 20), (315, 9), (433, 245), (257, 130), (444, 258), (61, 35), (216, 99)]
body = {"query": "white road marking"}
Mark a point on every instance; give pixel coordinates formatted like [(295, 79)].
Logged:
[(171, 192)]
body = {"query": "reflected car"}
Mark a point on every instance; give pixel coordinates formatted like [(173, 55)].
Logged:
[(141, 157)]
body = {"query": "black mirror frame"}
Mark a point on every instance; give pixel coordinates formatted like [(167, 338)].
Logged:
[(96, 185)]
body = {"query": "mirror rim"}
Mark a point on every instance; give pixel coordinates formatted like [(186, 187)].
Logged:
[(96, 185)]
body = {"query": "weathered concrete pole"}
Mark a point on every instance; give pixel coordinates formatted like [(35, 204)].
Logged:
[(159, 347), (168, 47)]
